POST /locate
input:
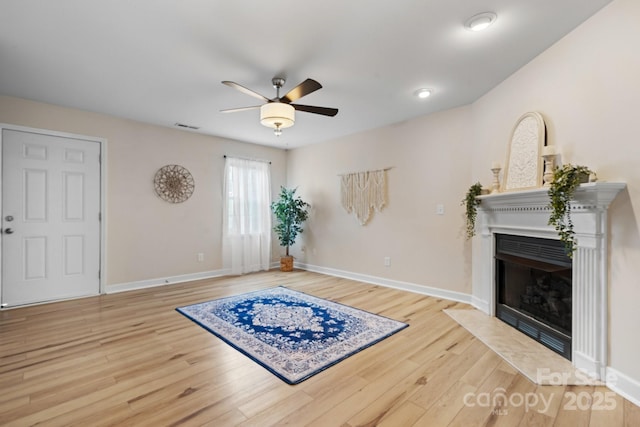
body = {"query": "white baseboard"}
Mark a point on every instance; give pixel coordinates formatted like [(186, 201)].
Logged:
[(389, 283), (405, 286), (624, 385), (480, 304), (162, 281)]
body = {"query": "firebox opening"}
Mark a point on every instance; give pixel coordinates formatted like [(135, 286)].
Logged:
[(533, 289)]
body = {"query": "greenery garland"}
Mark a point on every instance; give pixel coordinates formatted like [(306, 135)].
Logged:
[(565, 181), (471, 203)]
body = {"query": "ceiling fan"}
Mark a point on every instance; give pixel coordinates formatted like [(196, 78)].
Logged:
[(279, 112)]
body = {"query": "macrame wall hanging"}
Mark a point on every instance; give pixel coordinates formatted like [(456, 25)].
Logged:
[(362, 192)]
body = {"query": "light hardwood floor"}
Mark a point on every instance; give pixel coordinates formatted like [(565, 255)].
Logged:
[(131, 359)]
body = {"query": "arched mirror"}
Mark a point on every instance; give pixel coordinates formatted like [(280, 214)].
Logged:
[(523, 168)]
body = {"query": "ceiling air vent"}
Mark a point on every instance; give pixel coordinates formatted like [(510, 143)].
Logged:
[(182, 125)]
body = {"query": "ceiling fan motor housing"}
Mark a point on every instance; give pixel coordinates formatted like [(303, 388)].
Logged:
[(278, 82)]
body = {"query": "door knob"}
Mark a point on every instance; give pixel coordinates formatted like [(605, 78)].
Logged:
[(8, 231)]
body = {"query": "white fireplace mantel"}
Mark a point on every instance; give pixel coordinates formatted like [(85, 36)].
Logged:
[(526, 213)]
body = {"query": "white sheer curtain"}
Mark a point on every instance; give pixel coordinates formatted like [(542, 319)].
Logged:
[(246, 225)]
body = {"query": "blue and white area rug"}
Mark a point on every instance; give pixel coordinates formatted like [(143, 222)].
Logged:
[(292, 334)]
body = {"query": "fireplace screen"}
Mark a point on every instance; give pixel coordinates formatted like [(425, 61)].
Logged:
[(533, 289)]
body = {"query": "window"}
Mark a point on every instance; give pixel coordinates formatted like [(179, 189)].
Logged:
[(247, 215)]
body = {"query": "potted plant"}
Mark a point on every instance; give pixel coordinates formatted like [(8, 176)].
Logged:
[(471, 203), (290, 212), (565, 181)]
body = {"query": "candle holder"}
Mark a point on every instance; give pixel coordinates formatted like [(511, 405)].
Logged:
[(495, 185), (549, 165)]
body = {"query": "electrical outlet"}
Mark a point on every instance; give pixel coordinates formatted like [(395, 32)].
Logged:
[(440, 209), (387, 261), (200, 257)]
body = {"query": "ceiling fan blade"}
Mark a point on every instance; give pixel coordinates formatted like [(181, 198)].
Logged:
[(304, 88), (235, 110), (245, 90), (316, 110)]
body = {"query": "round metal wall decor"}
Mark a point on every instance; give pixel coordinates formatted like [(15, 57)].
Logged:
[(174, 183)]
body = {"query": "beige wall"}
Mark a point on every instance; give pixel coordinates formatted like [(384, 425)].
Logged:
[(430, 161), (587, 86), (148, 238)]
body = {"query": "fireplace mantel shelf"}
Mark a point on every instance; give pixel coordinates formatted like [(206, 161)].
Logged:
[(587, 196)]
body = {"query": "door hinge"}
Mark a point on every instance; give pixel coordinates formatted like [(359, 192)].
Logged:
[(99, 216)]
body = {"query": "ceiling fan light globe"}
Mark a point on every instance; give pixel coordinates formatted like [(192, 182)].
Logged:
[(277, 115)]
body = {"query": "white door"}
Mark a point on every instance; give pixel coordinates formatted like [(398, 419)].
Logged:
[(50, 217)]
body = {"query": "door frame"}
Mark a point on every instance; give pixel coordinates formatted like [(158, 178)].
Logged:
[(103, 191)]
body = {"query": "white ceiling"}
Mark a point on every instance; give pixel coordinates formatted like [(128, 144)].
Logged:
[(162, 61)]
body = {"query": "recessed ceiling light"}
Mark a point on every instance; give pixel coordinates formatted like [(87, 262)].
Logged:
[(423, 93), (481, 21)]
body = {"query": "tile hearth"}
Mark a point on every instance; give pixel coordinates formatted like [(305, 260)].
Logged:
[(541, 365)]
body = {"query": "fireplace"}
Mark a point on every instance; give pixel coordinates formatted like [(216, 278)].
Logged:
[(533, 289), (526, 214)]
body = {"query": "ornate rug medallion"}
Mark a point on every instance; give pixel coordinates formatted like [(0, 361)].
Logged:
[(292, 334)]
